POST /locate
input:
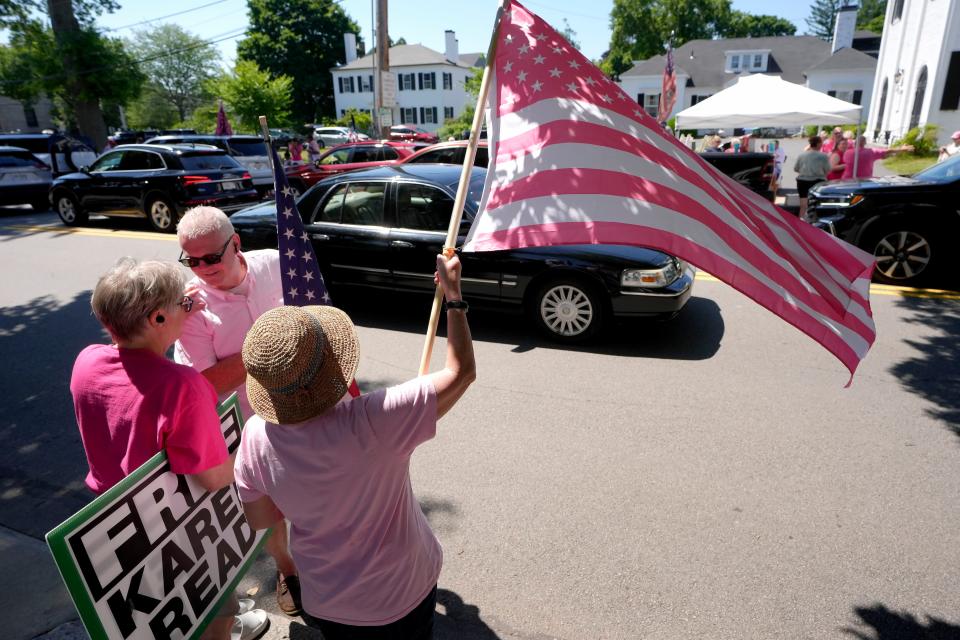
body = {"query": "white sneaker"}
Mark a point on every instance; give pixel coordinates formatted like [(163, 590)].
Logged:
[(250, 625)]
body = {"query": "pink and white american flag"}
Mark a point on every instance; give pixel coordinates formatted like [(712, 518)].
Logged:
[(574, 160), (668, 90)]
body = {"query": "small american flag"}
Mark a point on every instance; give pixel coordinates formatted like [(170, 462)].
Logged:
[(574, 160), (299, 273), (668, 92)]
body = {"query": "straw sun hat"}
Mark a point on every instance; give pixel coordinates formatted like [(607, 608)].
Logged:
[(299, 361)]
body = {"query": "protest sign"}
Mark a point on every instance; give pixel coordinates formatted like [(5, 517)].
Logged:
[(156, 555)]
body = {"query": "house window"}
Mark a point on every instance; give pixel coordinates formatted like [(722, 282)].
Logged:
[(883, 104), (757, 61), (951, 88), (427, 81), (734, 63), (448, 113), (365, 83), (408, 115), (651, 103), (448, 81), (346, 84), (428, 115), (897, 10), (918, 98), (406, 82)]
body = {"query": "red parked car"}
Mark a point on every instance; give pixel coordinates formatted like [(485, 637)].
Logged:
[(413, 134), (347, 157), (451, 152)]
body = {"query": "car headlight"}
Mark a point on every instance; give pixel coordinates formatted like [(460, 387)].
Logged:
[(837, 202), (651, 278)]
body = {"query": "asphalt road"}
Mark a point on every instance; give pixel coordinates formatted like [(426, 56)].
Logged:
[(708, 477)]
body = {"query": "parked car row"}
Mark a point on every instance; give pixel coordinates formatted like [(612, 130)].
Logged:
[(250, 151)]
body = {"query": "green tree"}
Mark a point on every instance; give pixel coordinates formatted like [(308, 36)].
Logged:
[(301, 39), (471, 83), (79, 69), (361, 119), (177, 65), (747, 25), (642, 28), (871, 15), (456, 126), (152, 110), (250, 92), (823, 15)]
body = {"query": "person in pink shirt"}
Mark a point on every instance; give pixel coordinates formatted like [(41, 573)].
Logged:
[(864, 158), (236, 288), (836, 161), (829, 144), (339, 468), (131, 402)]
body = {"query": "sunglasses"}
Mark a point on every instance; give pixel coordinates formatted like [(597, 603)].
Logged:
[(210, 258)]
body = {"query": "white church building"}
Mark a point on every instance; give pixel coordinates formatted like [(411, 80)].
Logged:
[(918, 71)]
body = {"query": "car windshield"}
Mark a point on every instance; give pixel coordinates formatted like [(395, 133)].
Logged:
[(208, 161), (33, 145), (249, 147), (17, 159), (945, 171)]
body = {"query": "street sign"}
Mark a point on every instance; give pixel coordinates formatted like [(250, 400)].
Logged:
[(386, 117), (155, 556), (388, 89)]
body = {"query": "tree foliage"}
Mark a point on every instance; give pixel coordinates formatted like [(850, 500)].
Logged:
[(362, 120), (747, 25), (642, 28), (177, 65), (301, 39), (570, 35), (871, 15), (823, 16), (456, 127), (250, 92)]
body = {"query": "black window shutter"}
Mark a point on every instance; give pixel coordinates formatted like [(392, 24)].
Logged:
[(832, 94), (433, 79), (640, 99), (403, 120), (420, 81), (951, 88), (857, 96), (434, 114), (370, 80), (359, 84), (423, 115), (340, 83)]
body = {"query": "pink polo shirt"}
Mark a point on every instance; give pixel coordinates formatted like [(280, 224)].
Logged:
[(131, 404), (218, 330), (364, 550), (864, 164)]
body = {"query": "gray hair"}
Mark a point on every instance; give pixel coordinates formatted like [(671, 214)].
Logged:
[(203, 221), (126, 295)]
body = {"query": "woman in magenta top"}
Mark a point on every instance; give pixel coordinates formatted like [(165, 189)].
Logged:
[(836, 161)]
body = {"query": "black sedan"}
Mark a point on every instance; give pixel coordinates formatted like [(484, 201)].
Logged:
[(383, 227), (908, 223), (158, 182)]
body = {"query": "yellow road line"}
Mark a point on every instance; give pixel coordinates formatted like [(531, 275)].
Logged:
[(875, 289)]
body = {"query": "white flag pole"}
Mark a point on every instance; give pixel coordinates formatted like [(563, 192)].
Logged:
[(449, 246)]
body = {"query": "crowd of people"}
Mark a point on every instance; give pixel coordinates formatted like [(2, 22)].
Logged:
[(361, 559)]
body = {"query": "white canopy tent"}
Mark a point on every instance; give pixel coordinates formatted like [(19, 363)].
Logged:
[(767, 101)]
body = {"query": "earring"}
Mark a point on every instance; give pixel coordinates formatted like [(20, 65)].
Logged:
[(160, 318)]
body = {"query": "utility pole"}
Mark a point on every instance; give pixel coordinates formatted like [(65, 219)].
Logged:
[(382, 61)]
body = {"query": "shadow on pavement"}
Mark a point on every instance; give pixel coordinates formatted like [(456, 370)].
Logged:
[(695, 333), (879, 623), (42, 464), (934, 372)]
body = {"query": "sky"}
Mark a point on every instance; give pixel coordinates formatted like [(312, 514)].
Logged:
[(418, 21)]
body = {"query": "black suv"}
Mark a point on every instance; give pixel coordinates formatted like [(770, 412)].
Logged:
[(909, 224), (159, 182)]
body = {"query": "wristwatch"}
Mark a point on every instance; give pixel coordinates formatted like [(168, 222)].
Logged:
[(457, 304)]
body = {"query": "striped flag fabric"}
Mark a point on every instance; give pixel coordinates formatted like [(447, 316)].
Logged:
[(668, 90), (300, 275), (574, 160)]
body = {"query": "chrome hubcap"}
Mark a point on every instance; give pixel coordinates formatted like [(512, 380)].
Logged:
[(566, 310), (66, 210), (161, 215), (902, 255)]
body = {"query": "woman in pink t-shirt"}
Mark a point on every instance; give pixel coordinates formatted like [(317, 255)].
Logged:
[(836, 161), (338, 468), (131, 402)]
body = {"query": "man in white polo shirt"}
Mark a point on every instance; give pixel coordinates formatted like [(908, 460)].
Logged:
[(235, 289)]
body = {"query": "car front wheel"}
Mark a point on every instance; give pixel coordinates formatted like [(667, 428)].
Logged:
[(905, 256), (69, 209), (161, 215), (567, 311)]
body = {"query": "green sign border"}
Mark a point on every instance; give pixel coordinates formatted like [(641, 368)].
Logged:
[(57, 541)]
